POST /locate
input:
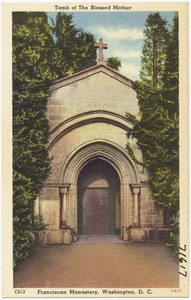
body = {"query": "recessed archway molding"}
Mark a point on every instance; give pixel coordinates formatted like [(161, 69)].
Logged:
[(85, 119), (100, 149)]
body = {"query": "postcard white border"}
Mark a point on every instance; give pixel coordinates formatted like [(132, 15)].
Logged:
[(7, 9)]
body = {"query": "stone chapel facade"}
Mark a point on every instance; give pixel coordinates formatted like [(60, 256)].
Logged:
[(94, 188)]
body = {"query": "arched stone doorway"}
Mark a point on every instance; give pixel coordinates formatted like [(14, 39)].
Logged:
[(98, 199), (118, 164)]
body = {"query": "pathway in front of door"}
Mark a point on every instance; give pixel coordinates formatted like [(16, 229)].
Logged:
[(123, 265)]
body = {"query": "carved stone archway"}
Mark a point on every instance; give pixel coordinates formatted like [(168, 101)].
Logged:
[(118, 159)]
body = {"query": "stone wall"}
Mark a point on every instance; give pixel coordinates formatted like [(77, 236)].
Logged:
[(150, 212), (50, 207), (97, 92)]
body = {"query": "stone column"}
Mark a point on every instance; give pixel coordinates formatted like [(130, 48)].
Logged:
[(137, 233), (136, 206), (63, 212), (37, 207)]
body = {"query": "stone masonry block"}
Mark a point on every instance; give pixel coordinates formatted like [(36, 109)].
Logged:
[(137, 234), (52, 237), (152, 211), (66, 237), (146, 205), (143, 212)]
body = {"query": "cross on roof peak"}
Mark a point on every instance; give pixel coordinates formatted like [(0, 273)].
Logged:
[(100, 45)]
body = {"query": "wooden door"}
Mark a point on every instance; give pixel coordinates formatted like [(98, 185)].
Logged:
[(95, 211)]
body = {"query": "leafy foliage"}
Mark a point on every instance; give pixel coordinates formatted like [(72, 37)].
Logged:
[(154, 50), (157, 131), (32, 38), (38, 223), (74, 49), (114, 63), (174, 236)]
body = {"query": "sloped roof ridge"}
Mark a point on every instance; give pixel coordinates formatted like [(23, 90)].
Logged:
[(90, 71)]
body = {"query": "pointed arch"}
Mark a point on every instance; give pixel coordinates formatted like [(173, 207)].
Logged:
[(100, 149)]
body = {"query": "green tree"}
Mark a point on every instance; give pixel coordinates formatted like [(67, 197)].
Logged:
[(74, 48), (114, 63), (32, 41), (171, 75), (154, 50), (157, 129), (171, 104)]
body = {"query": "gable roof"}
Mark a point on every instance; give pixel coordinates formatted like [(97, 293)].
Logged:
[(89, 72)]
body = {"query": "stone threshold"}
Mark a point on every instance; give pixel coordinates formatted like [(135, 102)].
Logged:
[(100, 239)]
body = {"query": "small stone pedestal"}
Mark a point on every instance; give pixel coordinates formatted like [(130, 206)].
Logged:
[(126, 233), (137, 234), (66, 236), (61, 236), (52, 237), (73, 234)]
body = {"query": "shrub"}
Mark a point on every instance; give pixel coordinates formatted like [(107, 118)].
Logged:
[(174, 236)]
